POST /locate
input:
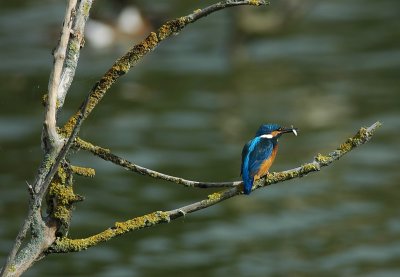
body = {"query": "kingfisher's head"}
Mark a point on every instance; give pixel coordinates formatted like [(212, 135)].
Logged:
[(274, 131)]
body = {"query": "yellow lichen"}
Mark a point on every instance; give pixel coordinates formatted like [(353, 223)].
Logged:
[(151, 41), (362, 133), (216, 196), (86, 9), (276, 177), (164, 31), (122, 66), (69, 126), (183, 21), (172, 27), (44, 100), (324, 160), (61, 197), (62, 213), (62, 175), (97, 94), (359, 138), (307, 168), (12, 268), (83, 171), (255, 2), (197, 11), (346, 146), (63, 194), (73, 48), (48, 162), (96, 150), (83, 144)]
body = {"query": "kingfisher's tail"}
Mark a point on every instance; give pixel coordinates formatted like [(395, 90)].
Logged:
[(247, 183)]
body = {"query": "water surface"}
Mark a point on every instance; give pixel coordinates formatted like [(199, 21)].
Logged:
[(187, 110)]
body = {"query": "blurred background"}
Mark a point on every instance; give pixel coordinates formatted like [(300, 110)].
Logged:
[(326, 67)]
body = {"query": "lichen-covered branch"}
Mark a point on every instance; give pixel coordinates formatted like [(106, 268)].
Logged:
[(137, 52), (361, 137), (75, 245), (106, 154), (72, 245), (75, 43)]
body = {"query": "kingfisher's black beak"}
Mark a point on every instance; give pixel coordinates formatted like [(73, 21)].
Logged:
[(289, 130)]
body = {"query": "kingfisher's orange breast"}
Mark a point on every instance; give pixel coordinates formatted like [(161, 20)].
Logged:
[(266, 164)]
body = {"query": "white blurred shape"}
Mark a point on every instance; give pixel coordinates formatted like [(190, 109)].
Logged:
[(130, 20), (98, 34)]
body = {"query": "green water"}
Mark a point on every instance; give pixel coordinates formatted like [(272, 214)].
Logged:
[(187, 110)]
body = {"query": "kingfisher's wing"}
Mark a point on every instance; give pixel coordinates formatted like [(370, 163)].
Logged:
[(261, 151), (245, 172)]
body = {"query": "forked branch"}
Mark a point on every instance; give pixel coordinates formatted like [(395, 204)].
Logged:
[(122, 66)]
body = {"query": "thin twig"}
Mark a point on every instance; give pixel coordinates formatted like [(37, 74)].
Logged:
[(106, 154), (65, 244)]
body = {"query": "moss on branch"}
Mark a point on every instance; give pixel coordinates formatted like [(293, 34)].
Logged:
[(83, 171), (61, 197), (74, 245)]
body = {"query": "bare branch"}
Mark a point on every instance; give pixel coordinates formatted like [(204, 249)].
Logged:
[(73, 245), (197, 14), (50, 136), (106, 154)]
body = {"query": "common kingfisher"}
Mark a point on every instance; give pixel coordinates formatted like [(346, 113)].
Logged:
[(259, 153)]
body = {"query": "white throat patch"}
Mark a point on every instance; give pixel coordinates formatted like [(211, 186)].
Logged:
[(269, 136)]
